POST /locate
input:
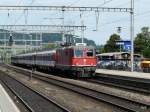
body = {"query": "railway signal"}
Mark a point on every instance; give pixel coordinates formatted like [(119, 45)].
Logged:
[(11, 40)]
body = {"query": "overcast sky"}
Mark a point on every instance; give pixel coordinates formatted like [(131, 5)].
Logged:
[(107, 21)]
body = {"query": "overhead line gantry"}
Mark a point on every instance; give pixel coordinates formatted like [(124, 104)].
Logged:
[(41, 27), (65, 8)]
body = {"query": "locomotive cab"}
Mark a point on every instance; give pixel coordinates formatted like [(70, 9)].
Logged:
[(84, 56), (79, 60), (84, 61)]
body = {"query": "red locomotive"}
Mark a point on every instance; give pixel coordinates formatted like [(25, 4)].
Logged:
[(79, 60)]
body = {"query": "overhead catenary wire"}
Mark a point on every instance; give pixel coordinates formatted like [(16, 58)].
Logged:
[(125, 18), (97, 14), (71, 4), (105, 2), (74, 2), (8, 14), (123, 4), (23, 13)]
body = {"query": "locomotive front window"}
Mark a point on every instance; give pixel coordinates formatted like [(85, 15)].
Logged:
[(78, 53), (90, 52)]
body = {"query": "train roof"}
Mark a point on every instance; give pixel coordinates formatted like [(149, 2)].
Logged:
[(46, 52), (76, 47), (27, 54), (42, 52)]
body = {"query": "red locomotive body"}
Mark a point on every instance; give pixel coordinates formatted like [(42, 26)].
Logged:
[(80, 60)]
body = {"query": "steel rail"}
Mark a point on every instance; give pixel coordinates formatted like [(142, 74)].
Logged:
[(121, 86), (141, 85), (64, 109), (18, 96)]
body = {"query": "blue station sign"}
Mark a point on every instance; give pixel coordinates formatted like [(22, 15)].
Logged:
[(126, 45)]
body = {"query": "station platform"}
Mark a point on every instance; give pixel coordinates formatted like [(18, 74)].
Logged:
[(6, 103), (138, 75)]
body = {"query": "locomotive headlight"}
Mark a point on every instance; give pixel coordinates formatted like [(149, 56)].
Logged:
[(84, 60)]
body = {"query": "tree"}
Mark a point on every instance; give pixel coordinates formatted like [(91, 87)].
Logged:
[(111, 44), (99, 48), (142, 42), (139, 43), (50, 46), (146, 52)]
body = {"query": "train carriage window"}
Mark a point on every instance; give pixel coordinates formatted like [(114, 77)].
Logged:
[(47, 57), (41, 57), (37, 57)]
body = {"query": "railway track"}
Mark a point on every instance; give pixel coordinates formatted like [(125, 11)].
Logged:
[(124, 83), (32, 99), (123, 103), (23, 106)]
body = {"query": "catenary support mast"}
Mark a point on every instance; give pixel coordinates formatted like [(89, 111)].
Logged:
[(132, 34)]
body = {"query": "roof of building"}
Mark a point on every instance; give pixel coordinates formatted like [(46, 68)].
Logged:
[(112, 53)]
